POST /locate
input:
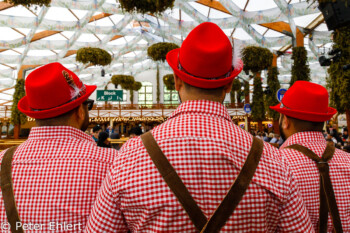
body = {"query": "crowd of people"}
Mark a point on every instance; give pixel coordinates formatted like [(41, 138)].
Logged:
[(196, 172)]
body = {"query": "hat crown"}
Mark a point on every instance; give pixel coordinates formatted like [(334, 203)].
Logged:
[(206, 52), (306, 96), (51, 86)]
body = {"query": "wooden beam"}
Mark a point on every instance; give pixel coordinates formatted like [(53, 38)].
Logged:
[(274, 60), (2, 104), (281, 27), (214, 4), (43, 34), (98, 17), (115, 37), (5, 5), (70, 53), (6, 89), (23, 68)]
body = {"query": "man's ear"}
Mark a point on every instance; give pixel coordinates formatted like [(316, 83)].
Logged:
[(80, 113), (178, 82), (286, 123)]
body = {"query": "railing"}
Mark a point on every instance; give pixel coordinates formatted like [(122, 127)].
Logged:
[(153, 106)]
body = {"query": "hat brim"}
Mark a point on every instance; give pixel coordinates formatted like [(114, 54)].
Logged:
[(306, 116), (172, 59), (24, 107)]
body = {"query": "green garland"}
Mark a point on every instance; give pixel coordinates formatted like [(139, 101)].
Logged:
[(146, 6), (258, 108), (17, 117), (158, 51), (271, 99), (29, 3), (169, 82), (339, 80), (246, 88), (158, 85), (95, 56), (235, 91), (256, 58), (300, 68), (125, 81)]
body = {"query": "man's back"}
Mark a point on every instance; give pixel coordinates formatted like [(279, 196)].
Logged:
[(56, 174), (207, 150), (307, 176)]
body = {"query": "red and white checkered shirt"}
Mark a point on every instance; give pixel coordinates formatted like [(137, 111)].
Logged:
[(56, 176), (307, 176), (207, 150)]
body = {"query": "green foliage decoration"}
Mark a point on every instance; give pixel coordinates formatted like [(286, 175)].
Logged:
[(246, 88), (146, 6), (158, 51), (137, 86), (125, 81), (339, 80), (256, 58), (29, 3), (235, 91), (271, 99), (17, 117), (95, 56), (258, 108), (169, 82), (158, 85), (300, 67)]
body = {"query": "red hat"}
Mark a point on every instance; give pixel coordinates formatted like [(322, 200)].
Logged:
[(53, 90), (306, 101), (205, 58)]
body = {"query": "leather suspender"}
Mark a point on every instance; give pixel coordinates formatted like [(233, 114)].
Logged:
[(230, 201), (7, 191), (327, 197)]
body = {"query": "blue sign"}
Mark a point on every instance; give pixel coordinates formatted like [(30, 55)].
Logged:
[(280, 94), (247, 108)]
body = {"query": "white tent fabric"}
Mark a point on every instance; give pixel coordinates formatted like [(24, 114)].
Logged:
[(41, 35)]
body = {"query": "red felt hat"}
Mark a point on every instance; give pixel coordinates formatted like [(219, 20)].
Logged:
[(306, 101), (205, 58), (53, 90)]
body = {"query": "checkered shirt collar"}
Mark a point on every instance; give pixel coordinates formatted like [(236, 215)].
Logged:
[(204, 107), (57, 132), (304, 138)]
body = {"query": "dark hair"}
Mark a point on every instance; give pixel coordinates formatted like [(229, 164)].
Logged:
[(135, 130), (102, 138), (96, 128), (58, 120)]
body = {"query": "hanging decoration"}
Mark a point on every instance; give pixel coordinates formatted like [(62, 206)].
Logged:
[(339, 73), (274, 86), (158, 51), (29, 3), (258, 109), (17, 117), (300, 68), (146, 6), (169, 82), (94, 56), (125, 81), (235, 91), (256, 59)]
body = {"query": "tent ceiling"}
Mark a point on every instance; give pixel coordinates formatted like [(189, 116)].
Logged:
[(39, 35)]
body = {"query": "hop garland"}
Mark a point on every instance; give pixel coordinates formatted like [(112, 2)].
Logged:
[(258, 108), (146, 6), (29, 3), (17, 117), (256, 58), (300, 68), (95, 56), (159, 51), (169, 82), (274, 84)]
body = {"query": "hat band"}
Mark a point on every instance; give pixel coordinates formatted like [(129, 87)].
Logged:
[(284, 106), (216, 78), (81, 93)]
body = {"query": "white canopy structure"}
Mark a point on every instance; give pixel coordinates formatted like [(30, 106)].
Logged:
[(31, 37)]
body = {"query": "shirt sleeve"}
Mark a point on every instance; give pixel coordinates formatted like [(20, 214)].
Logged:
[(106, 216), (294, 216)]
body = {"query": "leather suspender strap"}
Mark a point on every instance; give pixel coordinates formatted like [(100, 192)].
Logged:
[(229, 203), (327, 198), (7, 191)]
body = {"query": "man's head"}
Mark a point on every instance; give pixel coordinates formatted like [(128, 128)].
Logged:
[(96, 130), (203, 66), (56, 96), (304, 107), (135, 131)]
